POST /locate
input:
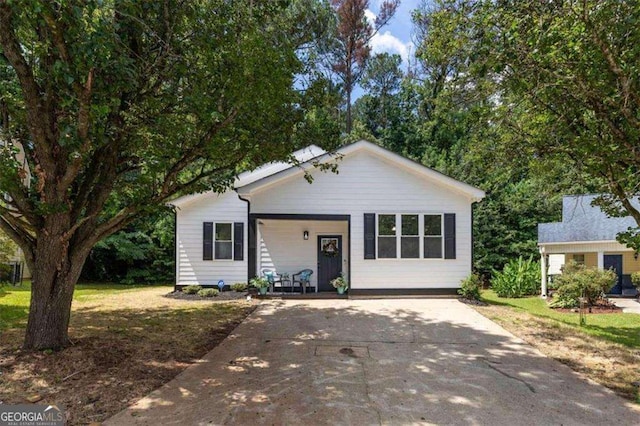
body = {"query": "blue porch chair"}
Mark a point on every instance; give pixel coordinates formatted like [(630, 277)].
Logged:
[(303, 278), (273, 278)]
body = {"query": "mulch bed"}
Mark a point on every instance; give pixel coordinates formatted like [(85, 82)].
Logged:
[(222, 296), (601, 307), (472, 301)]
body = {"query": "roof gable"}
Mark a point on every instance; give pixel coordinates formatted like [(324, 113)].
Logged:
[(470, 191)]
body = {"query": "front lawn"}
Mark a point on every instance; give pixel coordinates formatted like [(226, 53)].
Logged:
[(618, 328), (127, 341), (14, 301), (606, 350)]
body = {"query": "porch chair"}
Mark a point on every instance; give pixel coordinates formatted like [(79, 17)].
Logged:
[(272, 277), (303, 277)]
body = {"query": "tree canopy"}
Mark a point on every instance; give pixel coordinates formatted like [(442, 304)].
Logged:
[(120, 105)]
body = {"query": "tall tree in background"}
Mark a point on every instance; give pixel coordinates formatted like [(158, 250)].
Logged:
[(121, 105), (567, 81), (350, 50), (382, 79), (452, 122)]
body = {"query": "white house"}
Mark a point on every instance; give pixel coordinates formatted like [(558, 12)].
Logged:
[(587, 235), (396, 225)]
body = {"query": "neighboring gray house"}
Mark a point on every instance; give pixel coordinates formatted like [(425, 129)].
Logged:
[(588, 236), (387, 223)]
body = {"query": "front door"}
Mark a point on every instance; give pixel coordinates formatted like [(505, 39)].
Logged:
[(329, 260), (614, 261)]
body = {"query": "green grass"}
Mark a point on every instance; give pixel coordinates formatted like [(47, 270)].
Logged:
[(14, 301), (619, 328)]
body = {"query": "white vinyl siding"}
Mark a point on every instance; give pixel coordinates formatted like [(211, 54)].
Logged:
[(369, 183), (190, 268)]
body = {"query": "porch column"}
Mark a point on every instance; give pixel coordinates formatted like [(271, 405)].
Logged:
[(543, 275), (253, 247), (601, 260)]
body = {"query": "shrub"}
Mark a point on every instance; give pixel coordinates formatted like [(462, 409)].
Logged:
[(259, 282), (239, 287), (577, 280), (208, 292), (518, 278), (635, 279), (191, 289), (470, 287), (5, 273)]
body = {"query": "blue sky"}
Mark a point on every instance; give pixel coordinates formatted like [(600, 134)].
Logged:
[(395, 37)]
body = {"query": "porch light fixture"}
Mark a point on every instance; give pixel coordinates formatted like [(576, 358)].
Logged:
[(635, 256), (305, 235)]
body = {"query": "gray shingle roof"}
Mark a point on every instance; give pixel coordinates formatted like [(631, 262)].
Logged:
[(583, 222)]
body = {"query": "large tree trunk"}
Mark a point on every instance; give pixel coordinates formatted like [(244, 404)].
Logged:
[(49, 313), (55, 269)]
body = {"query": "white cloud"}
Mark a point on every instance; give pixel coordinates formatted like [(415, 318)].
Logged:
[(387, 42), (371, 17)]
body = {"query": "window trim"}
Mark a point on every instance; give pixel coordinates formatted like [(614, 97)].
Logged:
[(421, 235), (402, 235), (232, 241), (441, 236), (378, 236)]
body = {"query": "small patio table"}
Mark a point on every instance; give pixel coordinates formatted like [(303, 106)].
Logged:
[(285, 279)]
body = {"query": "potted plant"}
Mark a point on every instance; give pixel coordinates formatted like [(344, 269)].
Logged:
[(340, 284), (261, 283)]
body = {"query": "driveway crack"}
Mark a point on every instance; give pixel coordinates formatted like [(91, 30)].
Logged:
[(494, 368), (366, 389)]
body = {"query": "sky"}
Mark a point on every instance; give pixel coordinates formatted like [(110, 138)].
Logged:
[(395, 37)]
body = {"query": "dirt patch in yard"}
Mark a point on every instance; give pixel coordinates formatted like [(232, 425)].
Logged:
[(124, 346), (613, 365)]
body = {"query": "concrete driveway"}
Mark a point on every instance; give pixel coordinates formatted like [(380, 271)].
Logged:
[(369, 362)]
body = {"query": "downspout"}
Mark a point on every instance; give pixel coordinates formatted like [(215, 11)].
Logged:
[(250, 257), (175, 249)]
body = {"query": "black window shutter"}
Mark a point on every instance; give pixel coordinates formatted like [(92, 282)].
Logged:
[(369, 236), (450, 236), (238, 241), (207, 241)]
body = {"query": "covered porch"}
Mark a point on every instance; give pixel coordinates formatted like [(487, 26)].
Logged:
[(288, 244), (601, 255)]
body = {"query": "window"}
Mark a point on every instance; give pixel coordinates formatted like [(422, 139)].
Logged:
[(224, 241), (387, 236), (433, 236), (578, 258), (410, 239)]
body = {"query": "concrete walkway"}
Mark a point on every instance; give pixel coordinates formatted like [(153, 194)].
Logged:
[(630, 306), (371, 362)]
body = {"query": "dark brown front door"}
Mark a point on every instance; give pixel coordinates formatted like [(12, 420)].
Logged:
[(329, 260)]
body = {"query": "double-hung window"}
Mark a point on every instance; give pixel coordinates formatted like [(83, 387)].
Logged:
[(433, 236), (387, 245), (224, 241), (410, 238)]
